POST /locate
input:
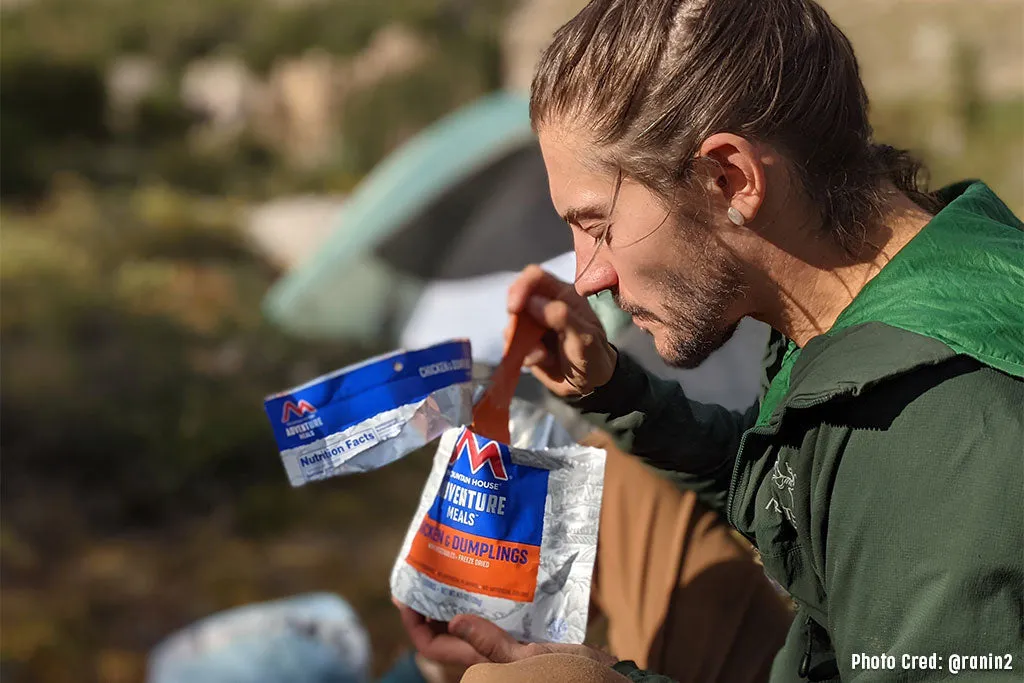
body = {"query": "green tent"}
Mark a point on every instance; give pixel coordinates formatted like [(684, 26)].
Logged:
[(466, 196)]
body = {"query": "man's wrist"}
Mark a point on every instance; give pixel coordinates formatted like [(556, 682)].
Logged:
[(625, 667), (623, 383), (613, 364)]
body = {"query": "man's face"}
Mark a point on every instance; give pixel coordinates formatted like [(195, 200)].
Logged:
[(670, 270)]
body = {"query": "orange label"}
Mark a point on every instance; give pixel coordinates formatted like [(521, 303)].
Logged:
[(500, 569)]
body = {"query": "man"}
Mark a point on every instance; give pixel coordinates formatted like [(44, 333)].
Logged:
[(714, 161)]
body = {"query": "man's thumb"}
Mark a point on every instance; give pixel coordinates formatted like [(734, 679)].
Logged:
[(489, 640)]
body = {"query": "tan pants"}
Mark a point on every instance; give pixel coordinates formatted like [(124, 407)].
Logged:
[(683, 596)]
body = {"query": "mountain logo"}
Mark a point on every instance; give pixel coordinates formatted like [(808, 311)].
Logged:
[(489, 454), (299, 410)]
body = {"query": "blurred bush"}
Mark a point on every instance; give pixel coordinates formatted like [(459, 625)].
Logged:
[(57, 55), (134, 355), (50, 112)]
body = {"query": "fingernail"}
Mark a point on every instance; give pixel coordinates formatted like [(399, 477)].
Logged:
[(515, 302), (533, 357), (461, 629)]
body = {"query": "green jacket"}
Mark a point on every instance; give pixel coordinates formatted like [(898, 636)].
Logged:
[(882, 475)]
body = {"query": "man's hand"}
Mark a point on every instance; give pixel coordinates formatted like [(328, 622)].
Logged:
[(432, 640), (495, 644), (467, 640), (574, 357)]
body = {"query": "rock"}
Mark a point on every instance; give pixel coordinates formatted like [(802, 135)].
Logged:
[(392, 50), (301, 105), (129, 80), (221, 90), (303, 91)]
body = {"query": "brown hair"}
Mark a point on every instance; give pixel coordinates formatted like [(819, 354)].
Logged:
[(650, 80)]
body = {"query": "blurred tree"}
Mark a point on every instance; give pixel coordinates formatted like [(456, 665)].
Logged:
[(47, 110)]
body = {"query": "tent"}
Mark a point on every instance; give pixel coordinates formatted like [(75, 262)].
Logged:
[(466, 197)]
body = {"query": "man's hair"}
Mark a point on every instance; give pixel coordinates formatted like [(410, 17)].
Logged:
[(650, 80)]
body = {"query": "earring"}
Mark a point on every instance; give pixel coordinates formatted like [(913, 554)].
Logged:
[(735, 216)]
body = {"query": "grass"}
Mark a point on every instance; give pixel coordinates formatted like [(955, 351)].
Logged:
[(78, 606)]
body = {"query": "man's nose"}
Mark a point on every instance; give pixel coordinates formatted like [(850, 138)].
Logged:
[(593, 272)]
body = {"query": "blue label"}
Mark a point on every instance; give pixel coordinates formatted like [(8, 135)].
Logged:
[(484, 493), (337, 401)]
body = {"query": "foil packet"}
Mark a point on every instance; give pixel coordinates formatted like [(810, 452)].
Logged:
[(507, 533), (365, 416)]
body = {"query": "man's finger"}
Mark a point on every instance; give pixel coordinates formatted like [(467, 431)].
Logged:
[(559, 316), (420, 632), (430, 638), (489, 640), (535, 281), (537, 355)]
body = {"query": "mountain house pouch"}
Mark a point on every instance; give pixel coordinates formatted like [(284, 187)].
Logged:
[(368, 415), (506, 533)]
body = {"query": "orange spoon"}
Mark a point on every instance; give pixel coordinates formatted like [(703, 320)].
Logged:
[(490, 414)]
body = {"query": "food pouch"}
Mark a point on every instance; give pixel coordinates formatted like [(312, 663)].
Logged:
[(507, 533), (370, 414)]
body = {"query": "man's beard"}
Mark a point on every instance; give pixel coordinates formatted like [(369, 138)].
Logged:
[(694, 320)]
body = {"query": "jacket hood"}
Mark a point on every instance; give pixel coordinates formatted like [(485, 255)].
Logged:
[(957, 288)]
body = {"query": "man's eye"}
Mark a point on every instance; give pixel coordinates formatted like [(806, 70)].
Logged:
[(600, 233)]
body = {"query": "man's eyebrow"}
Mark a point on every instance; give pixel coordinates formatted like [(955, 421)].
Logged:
[(575, 215)]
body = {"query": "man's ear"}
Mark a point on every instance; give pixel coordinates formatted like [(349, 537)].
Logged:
[(737, 173)]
